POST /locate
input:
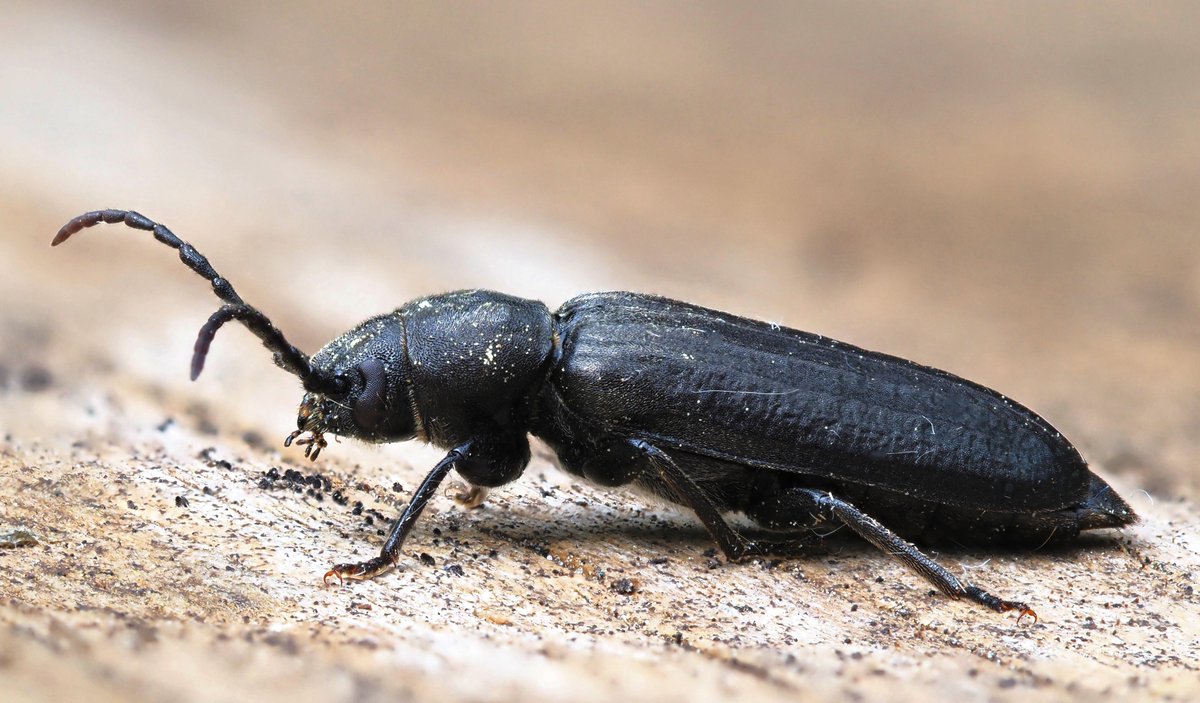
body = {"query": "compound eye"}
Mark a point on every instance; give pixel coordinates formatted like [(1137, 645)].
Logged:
[(368, 407)]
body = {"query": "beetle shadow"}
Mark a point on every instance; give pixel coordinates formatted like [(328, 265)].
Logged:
[(677, 535), (641, 532), (1084, 543)]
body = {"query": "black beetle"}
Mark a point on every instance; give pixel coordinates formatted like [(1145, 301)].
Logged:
[(714, 412)]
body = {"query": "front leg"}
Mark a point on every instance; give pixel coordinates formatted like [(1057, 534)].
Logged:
[(491, 460)]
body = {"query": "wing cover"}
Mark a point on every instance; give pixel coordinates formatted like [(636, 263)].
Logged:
[(719, 385)]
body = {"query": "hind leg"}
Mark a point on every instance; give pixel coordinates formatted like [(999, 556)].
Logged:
[(798, 507)]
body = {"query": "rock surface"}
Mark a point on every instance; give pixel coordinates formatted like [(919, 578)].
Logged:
[(1009, 195)]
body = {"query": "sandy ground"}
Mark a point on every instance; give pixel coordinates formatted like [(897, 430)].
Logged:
[(1008, 193)]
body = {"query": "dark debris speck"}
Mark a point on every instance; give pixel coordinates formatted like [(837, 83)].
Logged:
[(254, 439), (207, 455), (539, 548), (35, 379)]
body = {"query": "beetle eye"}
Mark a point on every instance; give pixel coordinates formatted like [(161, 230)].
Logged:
[(368, 407)]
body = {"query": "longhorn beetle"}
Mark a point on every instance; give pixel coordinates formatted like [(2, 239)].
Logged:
[(717, 413)]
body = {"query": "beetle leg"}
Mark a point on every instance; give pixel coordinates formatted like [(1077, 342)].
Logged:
[(732, 544), (889, 542), (468, 496), (389, 556)]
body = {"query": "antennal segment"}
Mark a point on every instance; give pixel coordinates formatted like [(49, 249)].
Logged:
[(187, 253), (287, 357)]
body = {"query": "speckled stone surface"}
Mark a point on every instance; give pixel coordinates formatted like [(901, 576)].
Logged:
[(1005, 193)]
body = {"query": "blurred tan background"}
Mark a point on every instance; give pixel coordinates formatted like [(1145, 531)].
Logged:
[(1007, 191)]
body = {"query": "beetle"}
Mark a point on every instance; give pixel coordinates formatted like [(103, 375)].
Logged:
[(716, 413)]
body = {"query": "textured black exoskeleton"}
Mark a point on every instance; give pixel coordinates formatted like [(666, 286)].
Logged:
[(714, 412)]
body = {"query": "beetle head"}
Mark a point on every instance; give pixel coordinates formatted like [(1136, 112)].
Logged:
[(356, 386), (369, 398)]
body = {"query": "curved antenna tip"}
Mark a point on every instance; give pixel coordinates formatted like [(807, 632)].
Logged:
[(63, 234), (287, 357), (205, 337)]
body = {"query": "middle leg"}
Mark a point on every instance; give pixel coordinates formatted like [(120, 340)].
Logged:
[(735, 546)]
